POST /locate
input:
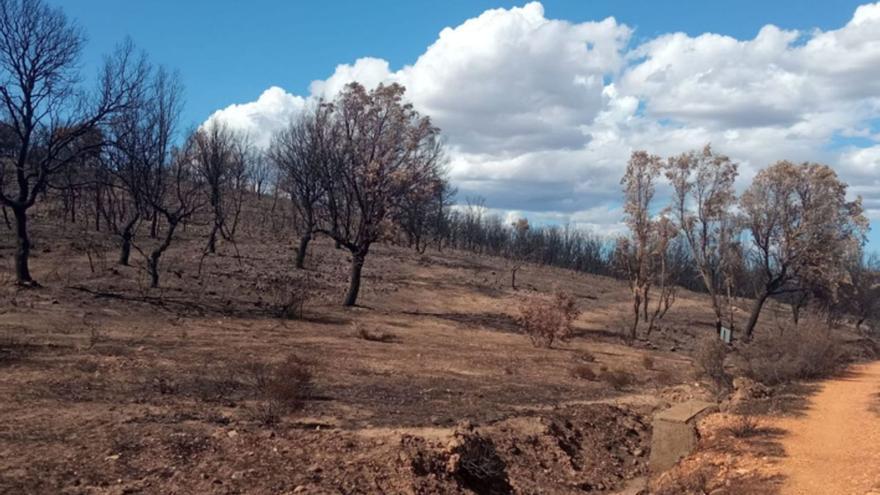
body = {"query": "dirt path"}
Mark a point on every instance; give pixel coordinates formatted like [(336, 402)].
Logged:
[(835, 448)]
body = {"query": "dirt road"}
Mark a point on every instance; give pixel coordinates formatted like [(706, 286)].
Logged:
[(835, 448)]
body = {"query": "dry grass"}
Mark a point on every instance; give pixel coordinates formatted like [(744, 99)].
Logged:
[(619, 379), (709, 357), (583, 372), (362, 332)]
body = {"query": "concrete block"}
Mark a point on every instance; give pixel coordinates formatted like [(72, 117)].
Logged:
[(675, 433)]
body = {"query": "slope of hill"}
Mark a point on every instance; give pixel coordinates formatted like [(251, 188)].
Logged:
[(428, 386)]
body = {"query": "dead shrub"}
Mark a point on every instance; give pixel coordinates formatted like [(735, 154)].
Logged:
[(665, 378), (744, 426), (583, 372), (282, 388), (287, 296), (584, 356), (618, 379), (709, 355), (476, 464), (803, 352), (209, 381), (546, 319), (648, 362), (362, 332), (681, 482)]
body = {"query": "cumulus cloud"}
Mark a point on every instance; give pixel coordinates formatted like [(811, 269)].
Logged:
[(540, 114), (260, 118)]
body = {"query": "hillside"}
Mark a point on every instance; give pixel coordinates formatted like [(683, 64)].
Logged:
[(115, 388)]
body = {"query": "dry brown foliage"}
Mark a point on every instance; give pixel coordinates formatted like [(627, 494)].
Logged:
[(287, 296), (546, 319), (794, 352), (709, 357), (282, 388), (619, 379), (362, 332), (583, 372)]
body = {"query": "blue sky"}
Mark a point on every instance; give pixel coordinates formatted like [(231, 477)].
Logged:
[(229, 51), (541, 103)]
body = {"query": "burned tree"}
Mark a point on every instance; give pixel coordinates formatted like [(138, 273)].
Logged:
[(301, 152), (140, 147), (803, 230), (424, 217), (633, 254), (386, 151), (703, 199), (178, 195), (156, 179), (862, 292), (41, 105), (222, 158)]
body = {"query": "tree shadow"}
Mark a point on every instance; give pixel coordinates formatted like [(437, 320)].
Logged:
[(499, 322)]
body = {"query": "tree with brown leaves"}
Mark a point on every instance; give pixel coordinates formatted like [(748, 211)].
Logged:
[(703, 199), (634, 254), (803, 230), (386, 152)]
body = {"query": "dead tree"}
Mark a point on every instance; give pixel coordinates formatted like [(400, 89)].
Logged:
[(635, 252), (39, 56), (221, 157), (703, 199), (301, 152), (141, 143), (662, 269), (178, 196)]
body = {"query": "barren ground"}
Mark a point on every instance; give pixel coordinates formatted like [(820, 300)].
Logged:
[(110, 387)]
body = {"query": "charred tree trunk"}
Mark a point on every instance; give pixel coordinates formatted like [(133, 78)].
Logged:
[(22, 248), (156, 255), (125, 245), (357, 264), (6, 219), (212, 239), (756, 311), (301, 252)]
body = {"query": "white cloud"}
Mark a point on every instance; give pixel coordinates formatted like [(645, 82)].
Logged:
[(260, 118), (541, 114)]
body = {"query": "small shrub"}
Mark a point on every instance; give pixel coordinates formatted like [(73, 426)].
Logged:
[(709, 357), (584, 356), (744, 426), (665, 378), (546, 319), (619, 379), (681, 482), (287, 297), (281, 388), (583, 372), (365, 333), (476, 463), (648, 362), (803, 352)]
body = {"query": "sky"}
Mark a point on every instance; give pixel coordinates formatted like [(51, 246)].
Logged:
[(541, 103)]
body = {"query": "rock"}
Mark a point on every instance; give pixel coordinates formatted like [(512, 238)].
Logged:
[(745, 389), (231, 433), (299, 489)]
